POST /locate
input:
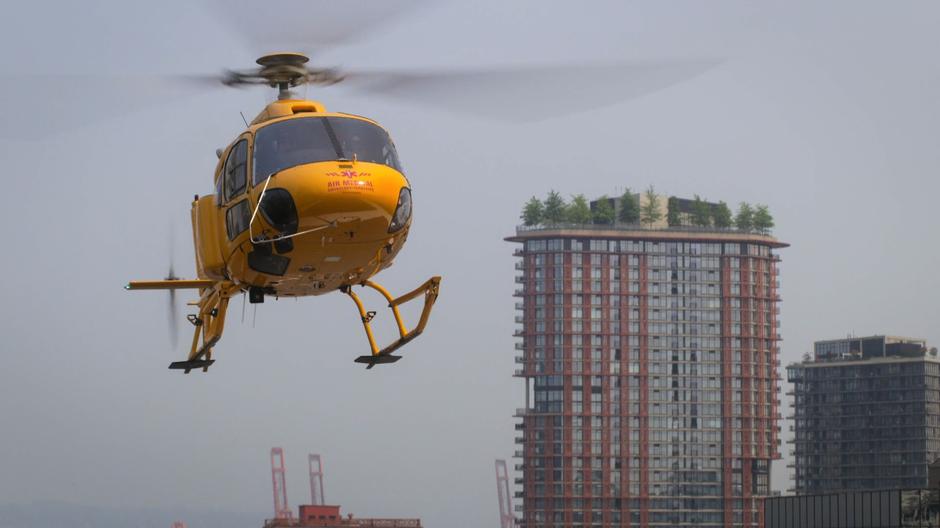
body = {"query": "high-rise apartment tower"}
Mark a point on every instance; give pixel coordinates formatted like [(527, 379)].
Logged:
[(650, 362)]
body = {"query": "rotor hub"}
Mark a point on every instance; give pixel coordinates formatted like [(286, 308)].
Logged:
[(282, 71), (281, 68)]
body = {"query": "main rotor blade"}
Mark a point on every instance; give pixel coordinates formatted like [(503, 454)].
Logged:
[(306, 25), (35, 107), (530, 93)]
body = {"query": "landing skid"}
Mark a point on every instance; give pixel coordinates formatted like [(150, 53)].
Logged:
[(186, 366), (372, 361), (430, 291)]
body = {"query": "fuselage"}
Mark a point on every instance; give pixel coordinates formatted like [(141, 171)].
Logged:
[(335, 207)]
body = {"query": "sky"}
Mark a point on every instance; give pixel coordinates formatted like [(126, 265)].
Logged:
[(826, 112)]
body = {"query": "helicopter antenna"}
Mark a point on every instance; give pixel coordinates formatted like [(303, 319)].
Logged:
[(243, 118)]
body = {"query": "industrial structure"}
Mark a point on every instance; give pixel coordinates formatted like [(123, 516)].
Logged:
[(649, 356), (318, 514), (279, 484), (316, 480), (866, 415), (507, 518)]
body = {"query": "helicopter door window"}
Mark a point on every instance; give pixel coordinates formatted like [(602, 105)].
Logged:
[(236, 170)]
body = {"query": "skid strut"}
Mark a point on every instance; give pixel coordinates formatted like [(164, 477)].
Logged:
[(209, 324), (429, 289)]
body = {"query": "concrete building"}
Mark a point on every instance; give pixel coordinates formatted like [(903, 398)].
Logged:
[(866, 415), (650, 362)]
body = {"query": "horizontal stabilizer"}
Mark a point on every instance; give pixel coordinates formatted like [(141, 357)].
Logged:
[(173, 284)]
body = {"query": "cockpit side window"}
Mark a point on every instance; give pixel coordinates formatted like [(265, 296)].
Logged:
[(218, 188), (235, 173)]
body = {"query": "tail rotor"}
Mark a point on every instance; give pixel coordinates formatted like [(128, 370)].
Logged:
[(172, 319)]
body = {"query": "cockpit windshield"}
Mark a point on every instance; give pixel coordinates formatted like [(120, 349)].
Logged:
[(285, 144)]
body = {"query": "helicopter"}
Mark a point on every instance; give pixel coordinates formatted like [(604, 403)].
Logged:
[(309, 201), (306, 202)]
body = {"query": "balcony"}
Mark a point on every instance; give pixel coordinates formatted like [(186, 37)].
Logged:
[(519, 359), (518, 453), (519, 292), (519, 373), (521, 319), (518, 333), (520, 346), (518, 252), (520, 306), (521, 411), (519, 265), (520, 279)]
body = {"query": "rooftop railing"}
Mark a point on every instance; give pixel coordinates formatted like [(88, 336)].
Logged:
[(520, 229)]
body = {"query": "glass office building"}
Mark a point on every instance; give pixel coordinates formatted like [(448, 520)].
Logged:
[(650, 363), (866, 415)]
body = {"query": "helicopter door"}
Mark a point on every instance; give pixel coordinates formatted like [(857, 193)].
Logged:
[(234, 185)]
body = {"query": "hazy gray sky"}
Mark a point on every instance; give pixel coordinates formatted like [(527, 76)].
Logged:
[(827, 112)]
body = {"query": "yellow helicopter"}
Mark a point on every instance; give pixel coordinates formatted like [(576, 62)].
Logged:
[(306, 202)]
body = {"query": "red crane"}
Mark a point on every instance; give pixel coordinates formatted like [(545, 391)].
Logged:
[(316, 480), (506, 518), (278, 480), (179, 524)]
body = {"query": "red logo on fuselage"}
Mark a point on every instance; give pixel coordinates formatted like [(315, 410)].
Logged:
[(350, 181), (349, 174)]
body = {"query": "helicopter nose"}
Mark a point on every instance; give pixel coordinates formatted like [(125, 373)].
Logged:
[(369, 202)]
